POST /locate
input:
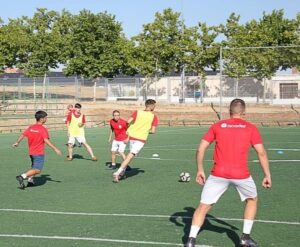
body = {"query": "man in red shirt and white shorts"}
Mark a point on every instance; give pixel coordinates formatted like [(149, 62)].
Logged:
[(233, 138), (118, 126), (37, 135)]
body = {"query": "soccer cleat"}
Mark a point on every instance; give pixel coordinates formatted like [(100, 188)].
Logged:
[(191, 242), (94, 158), (20, 179), (246, 241), (112, 167), (69, 158), (115, 178)]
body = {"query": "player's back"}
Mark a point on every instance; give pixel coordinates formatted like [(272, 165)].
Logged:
[(35, 135), (233, 139)]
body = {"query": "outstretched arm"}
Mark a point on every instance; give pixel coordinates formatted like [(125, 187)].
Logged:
[(20, 138), (51, 145), (203, 145), (264, 162)]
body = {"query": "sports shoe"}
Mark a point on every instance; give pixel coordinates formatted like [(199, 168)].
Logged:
[(94, 158), (115, 178), (191, 242), (69, 158), (246, 241), (20, 179), (112, 167)]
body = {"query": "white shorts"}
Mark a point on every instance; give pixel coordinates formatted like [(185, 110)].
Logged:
[(80, 139), (136, 146), (118, 146), (214, 188)]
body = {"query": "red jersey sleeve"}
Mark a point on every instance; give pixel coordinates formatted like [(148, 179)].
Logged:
[(69, 117), (155, 121), (256, 137), (209, 136), (45, 133), (25, 132), (133, 115)]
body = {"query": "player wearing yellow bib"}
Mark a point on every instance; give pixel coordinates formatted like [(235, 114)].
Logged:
[(141, 124), (76, 122)]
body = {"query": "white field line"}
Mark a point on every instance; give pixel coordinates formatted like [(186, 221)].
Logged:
[(284, 149), (93, 239), (137, 215), (250, 161)]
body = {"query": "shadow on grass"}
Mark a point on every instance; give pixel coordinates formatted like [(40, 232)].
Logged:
[(186, 219), (41, 180)]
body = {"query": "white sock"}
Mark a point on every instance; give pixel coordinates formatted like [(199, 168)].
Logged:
[(247, 226), (24, 175), (194, 231), (113, 164)]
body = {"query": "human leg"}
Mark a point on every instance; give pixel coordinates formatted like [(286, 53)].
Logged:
[(113, 159), (71, 143), (213, 189), (248, 193), (37, 164), (90, 151), (122, 168)]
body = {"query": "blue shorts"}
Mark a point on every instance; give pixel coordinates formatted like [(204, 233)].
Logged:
[(37, 161)]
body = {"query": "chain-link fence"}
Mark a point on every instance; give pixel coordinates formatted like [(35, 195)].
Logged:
[(283, 89)]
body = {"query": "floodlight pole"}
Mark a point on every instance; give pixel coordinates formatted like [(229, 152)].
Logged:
[(221, 78)]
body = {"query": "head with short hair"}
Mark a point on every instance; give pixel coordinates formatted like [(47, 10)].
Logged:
[(116, 115), (150, 104), (77, 107), (237, 107), (40, 116)]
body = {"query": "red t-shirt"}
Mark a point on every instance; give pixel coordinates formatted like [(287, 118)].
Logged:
[(35, 135), (69, 117), (233, 139), (154, 121), (119, 128)]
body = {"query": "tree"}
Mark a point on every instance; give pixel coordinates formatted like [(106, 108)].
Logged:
[(14, 40), (42, 50), (159, 45), (96, 45)]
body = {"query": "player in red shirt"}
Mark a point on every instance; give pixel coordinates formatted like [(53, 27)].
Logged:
[(37, 135), (118, 126), (233, 138)]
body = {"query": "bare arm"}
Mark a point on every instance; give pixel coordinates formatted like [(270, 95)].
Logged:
[(51, 145), (110, 135), (152, 130), (129, 121), (203, 145), (20, 138), (264, 162)]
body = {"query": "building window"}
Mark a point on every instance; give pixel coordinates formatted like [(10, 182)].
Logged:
[(288, 90)]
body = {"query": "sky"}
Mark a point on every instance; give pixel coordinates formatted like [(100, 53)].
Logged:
[(134, 13)]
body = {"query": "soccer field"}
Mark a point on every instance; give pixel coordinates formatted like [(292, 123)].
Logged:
[(76, 204)]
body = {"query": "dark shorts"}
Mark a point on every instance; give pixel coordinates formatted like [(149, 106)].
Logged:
[(37, 161)]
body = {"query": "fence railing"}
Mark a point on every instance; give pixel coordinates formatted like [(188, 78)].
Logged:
[(191, 89)]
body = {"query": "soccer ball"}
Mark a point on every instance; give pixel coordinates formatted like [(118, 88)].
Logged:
[(185, 177)]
